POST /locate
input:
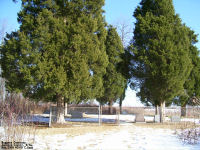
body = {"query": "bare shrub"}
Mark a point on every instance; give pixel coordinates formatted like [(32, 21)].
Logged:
[(188, 132), (190, 136), (15, 110)]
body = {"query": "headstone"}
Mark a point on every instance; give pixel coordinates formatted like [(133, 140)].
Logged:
[(157, 118), (76, 114), (175, 119), (139, 118)]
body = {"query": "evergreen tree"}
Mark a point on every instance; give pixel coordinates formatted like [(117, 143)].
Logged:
[(124, 68), (124, 30), (192, 84), (58, 53), (113, 81), (161, 52)]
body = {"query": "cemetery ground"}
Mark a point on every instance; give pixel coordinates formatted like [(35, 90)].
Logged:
[(133, 136), (116, 132), (86, 135)]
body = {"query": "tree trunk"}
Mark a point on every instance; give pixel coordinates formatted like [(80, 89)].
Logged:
[(162, 112), (157, 110), (183, 110), (120, 106), (65, 108), (110, 108), (60, 110)]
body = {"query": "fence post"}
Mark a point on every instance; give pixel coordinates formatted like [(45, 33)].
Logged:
[(117, 116), (50, 114), (99, 114)]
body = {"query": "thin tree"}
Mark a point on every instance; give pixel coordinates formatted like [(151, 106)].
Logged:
[(161, 46), (2, 80), (113, 81), (125, 32)]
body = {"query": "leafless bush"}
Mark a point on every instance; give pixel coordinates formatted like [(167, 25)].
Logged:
[(190, 136), (188, 132), (14, 111)]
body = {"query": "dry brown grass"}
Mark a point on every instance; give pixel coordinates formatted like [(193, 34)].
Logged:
[(72, 129), (75, 130), (168, 125)]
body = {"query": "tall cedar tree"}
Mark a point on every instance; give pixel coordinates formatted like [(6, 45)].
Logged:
[(124, 31), (124, 68), (58, 53), (192, 84), (161, 52), (113, 81)]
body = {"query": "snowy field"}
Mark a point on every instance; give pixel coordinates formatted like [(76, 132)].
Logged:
[(128, 137)]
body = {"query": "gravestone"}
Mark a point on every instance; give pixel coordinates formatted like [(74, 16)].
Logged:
[(139, 118), (157, 118), (76, 114), (175, 119)]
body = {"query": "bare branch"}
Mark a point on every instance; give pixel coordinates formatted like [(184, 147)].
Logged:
[(3, 27), (124, 30)]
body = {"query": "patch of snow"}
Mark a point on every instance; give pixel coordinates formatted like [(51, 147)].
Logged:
[(42, 115), (128, 137), (1, 130), (105, 118), (37, 118), (2, 133)]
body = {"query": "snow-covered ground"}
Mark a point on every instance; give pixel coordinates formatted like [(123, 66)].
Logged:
[(129, 137)]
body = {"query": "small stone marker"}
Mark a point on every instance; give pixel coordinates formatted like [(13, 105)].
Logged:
[(157, 118), (175, 119), (139, 118), (76, 114)]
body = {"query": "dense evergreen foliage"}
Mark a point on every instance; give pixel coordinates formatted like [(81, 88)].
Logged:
[(114, 81), (161, 48), (192, 84), (58, 52), (63, 52)]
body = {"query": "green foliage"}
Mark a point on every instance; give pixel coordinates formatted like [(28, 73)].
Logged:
[(59, 50), (124, 68), (161, 47), (192, 84), (114, 81)]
